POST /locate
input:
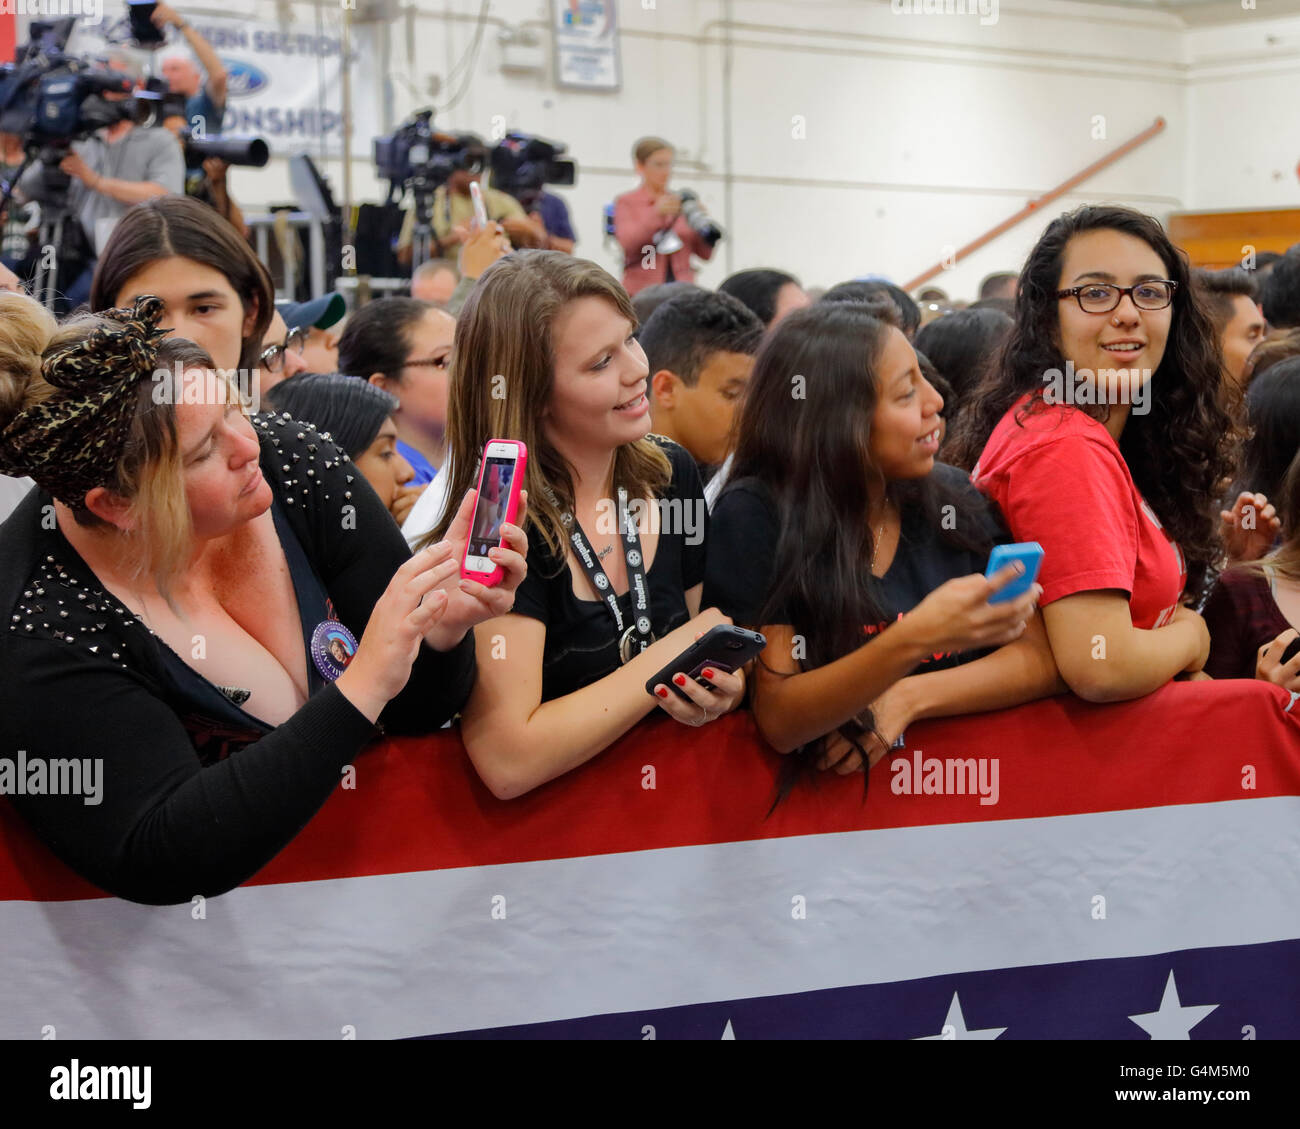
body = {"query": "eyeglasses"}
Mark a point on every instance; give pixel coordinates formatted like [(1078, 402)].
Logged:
[(1102, 297), (273, 358)]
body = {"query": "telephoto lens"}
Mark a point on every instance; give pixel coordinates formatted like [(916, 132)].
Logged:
[(696, 217)]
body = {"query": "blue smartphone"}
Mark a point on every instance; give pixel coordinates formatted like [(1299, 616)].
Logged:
[(1028, 553)]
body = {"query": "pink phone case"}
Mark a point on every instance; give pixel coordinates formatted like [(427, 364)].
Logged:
[(489, 579), (480, 208)]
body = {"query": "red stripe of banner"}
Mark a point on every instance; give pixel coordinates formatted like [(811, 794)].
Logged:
[(418, 805), (7, 36)]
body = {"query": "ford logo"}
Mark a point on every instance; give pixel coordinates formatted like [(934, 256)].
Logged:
[(243, 79)]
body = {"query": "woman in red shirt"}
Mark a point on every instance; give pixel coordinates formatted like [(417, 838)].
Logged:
[(1101, 435)]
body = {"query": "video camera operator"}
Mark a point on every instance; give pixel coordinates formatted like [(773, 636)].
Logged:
[(205, 102), (551, 213), (120, 165), (16, 223), (523, 164), (452, 211), (659, 230)]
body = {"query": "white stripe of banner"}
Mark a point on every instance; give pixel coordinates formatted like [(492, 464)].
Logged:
[(420, 953)]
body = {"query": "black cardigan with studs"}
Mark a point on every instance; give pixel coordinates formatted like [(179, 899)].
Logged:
[(196, 795)]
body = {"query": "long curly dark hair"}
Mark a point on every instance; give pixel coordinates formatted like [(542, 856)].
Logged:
[(812, 453), (1179, 453)]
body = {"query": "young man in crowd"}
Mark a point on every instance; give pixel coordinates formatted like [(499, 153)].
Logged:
[(1229, 298), (1003, 284), (646, 301), (320, 320), (1279, 294), (281, 358), (700, 347)]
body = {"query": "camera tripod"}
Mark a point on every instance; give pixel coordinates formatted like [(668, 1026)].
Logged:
[(422, 237), (53, 202), (45, 282)]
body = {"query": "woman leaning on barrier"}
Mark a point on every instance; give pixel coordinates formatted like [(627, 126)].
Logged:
[(545, 354), (1101, 432), (183, 598)]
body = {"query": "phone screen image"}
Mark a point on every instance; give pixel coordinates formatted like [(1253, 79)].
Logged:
[(490, 507)]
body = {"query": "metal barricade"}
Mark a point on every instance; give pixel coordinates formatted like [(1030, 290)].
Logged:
[(262, 226)]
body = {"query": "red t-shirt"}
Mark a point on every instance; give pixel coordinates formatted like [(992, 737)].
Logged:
[(1061, 480)]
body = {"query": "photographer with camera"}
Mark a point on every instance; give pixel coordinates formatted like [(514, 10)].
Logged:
[(657, 229), (205, 102), (119, 165), (208, 183), (452, 211)]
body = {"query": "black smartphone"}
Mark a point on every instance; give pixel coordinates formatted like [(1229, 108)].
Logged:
[(723, 648), (143, 30), (1291, 650)]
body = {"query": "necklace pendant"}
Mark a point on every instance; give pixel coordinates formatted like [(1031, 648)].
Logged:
[(628, 647)]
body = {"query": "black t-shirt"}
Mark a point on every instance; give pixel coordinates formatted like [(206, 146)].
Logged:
[(581, 638), (745, 526)]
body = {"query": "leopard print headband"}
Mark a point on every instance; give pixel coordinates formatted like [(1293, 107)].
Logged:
[(72, 442)]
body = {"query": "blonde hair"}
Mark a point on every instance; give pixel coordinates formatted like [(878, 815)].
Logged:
[(502, 374), (149, 474)]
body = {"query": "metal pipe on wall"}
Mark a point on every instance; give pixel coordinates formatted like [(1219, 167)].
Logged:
[(345, 70), (728, 244)]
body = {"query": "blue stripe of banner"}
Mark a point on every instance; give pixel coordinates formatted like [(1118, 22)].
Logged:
[(1256, 989)]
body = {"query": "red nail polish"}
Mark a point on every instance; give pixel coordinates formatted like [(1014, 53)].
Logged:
[(661, 691), (680, 679), (707, 672)]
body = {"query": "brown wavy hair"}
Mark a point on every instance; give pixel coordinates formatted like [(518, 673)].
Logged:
[(502, 373), (1182, 451)]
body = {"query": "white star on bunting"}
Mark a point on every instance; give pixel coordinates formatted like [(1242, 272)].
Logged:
[(957, 1023), (1172, 1021)]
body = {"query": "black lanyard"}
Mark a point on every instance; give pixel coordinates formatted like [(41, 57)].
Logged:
[(638, 636)]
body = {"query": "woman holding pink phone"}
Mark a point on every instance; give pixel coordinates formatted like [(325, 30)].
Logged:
[(545, 354), (504, 462)]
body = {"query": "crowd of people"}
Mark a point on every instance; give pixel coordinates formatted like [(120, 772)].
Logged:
[(136, 158), (241, 558)]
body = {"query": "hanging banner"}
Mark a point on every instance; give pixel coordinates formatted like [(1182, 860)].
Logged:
[(1061, 870), (283, 83), (586, 44), (7, 36)]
